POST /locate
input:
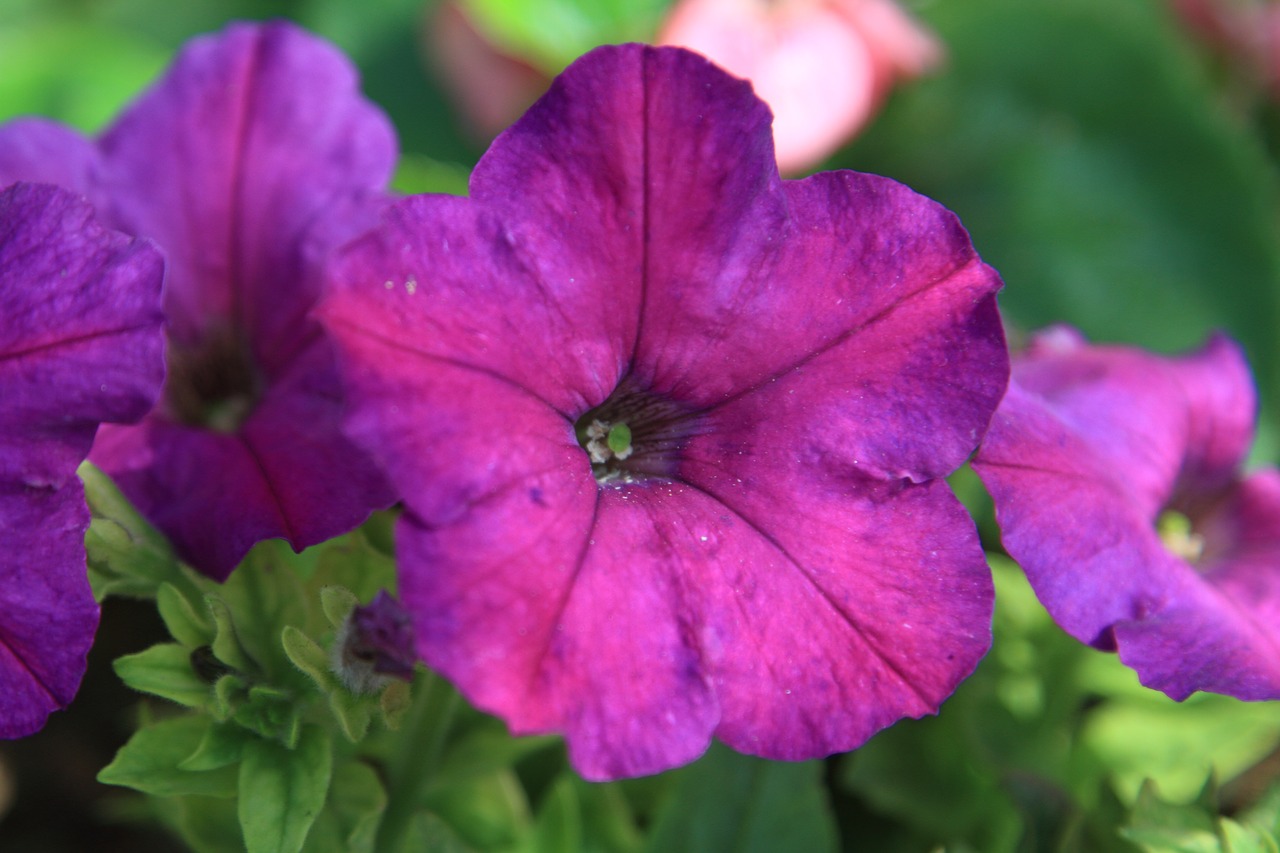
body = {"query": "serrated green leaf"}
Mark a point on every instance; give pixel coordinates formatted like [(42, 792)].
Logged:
[(185, 623), (337, 603), (307, 656), (221, 746), (150, 761), (226, 642), (731, 802), (164, 670), (286, 789)]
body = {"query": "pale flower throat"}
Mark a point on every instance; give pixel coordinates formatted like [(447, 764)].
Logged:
[(634, 435)]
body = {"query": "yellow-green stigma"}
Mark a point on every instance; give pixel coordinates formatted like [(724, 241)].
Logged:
[(1178, 536)]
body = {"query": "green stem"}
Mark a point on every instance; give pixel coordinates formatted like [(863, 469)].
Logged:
[(410, 769)]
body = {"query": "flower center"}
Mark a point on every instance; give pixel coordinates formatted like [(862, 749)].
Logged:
[(1179, 537), (634, 435), (213, 384)]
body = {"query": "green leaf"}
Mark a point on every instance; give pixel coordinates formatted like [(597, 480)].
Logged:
[(490, 812), (126, 555), (1240, 838), (1143, 734), (337, 603), (355, 563), (307, 656), (354, 713), (1162, 827), (272, 712), (485, 748), (552, 33), (226, 642), (185, 623), (150, 761), (222, 745), (418, 174), (731, 802), (284, 791), (558, 828), (349, 822), (207, 824), (165, 670)]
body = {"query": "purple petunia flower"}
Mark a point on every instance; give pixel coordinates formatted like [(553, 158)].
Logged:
[(251, 159), (669, 429), (1117, 481), (80, 343)]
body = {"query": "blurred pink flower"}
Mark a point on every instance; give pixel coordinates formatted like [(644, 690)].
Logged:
[(490, 88), (823, 66), (1247, 32)]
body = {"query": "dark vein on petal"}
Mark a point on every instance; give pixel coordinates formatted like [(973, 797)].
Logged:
[(839, 611), (646, 210), (74, 341), (35, 677), (563, 604), (843, 337), (484, 497), (240, 141), (453, 362), (275, 496)]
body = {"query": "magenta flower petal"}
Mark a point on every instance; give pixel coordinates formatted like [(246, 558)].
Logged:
[(39, 150), (80, 343), (79, 337), (251, 137), (1090, 452), (763, 553), (247, 163)]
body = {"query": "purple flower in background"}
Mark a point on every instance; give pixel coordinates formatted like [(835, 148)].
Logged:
[(251, 159), (80, 343), (669, 429), (1117, 482)]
